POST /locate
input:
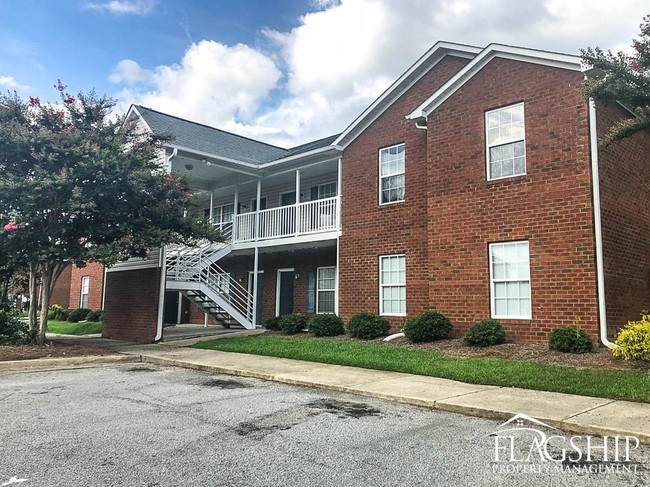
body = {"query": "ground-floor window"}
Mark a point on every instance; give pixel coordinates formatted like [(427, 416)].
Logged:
[(392, 285), (85, 287), (510, 280), (326, 290)]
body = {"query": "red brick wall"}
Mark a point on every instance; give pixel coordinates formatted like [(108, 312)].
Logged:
[(550, 206), (452, 212), (371, 230), (131, 306), (624, 169), (302, 261), (61, 292), (96, 273)]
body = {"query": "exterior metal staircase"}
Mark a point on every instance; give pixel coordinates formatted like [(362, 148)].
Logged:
[(194, 272)]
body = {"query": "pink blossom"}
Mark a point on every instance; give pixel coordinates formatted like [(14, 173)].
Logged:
[(61, 114), (11, 226), (68, 99), (60, 86), (634, 65), (35, 102)]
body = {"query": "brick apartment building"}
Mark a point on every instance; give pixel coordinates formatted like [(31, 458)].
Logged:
[(80, 287), (474, 185)]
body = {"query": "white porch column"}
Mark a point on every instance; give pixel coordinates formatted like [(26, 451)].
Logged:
[(297, 216), (255, 273), (257, 211), (235, 212), (211, 206), (338, 193)]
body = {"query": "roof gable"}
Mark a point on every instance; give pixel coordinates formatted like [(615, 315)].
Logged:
[(563, 61), (421, 67)]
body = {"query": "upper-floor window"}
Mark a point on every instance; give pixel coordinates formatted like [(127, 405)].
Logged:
[(223, 214), (326, 191), (506, 145), (391, 174)]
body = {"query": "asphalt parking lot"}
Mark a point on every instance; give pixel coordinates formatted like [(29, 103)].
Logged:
[(144, 425)]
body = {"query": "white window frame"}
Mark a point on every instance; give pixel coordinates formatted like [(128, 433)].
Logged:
[(382, 286), (488, 146), (320, 186), (381, 177), (493, 281), (85, 291), (318, 290)]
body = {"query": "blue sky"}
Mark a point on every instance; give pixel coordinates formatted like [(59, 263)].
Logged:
[(283, 71)]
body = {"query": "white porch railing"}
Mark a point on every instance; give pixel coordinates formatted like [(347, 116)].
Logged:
[(306, 218)]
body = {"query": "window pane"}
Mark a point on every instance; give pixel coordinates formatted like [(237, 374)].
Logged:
[(510, 279), (524, 305), (512, 306), (500, 307), (505, 133), (524, 289), (500, 289)]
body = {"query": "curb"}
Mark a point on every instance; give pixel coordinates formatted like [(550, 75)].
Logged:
[(41, 364), (563, 425)]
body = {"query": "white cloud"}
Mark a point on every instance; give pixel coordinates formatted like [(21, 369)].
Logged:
[(11, 83), (134, 7), (212, 84), (344, 53)]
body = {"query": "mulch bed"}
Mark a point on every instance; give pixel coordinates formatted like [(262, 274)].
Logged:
[(601, 359), (49, 350)]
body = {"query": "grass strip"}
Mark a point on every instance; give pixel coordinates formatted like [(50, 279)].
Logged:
[(614, 384), (67, 328)]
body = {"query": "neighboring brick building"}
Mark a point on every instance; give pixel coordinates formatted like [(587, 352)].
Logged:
[(80, 287), (473, 185)]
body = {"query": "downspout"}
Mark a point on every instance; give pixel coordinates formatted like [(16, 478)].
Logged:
[(598, 230), (163, 267)]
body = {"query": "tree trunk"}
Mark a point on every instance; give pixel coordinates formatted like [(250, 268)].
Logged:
[(46, 285), (33, 297)]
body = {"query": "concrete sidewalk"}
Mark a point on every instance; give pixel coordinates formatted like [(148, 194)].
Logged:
[(569, 413)]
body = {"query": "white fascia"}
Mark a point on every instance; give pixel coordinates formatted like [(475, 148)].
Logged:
[(534, 56), (302, 155), (246, 167), (451, 48)]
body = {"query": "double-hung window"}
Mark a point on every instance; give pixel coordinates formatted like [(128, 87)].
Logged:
[(326, 191), (510, 280), (506, 144), (391, 174), (85, 291), (325, 289), (392, 285)]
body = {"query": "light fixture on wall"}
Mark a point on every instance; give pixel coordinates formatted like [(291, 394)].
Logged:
[(297, 276), (205, 161)]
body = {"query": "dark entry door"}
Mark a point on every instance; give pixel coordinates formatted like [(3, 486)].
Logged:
[(170, 312), (285, 299)]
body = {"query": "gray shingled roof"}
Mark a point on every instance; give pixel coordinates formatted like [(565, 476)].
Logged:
[(210, 140), (207, 139)]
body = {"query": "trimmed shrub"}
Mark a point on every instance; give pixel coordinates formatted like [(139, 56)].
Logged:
[(13, 331), (53, 312), (367, 325), (292, 324), (570, 339), (326, 325), (95, 315), (63, 314), (485, 333), (76, 315), (634, 340), (273, 323), (427, 327)]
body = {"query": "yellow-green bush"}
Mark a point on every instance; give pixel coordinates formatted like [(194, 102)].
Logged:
[(634, 340)]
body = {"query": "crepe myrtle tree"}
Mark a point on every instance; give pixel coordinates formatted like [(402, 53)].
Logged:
[(623, 78), (80, 184)]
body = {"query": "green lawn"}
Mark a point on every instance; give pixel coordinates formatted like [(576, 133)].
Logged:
[(66, 328), (630, 385)]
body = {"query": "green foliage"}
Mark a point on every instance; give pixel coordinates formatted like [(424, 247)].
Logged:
[(624, 78), (13, 331), (292, 324), (62, 314), (273, 324), (367, 325), (427, 327), (485, 333), (95, 315), (570, 339), (326, 325), (634, 340), (53, 311), (77, 315)]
